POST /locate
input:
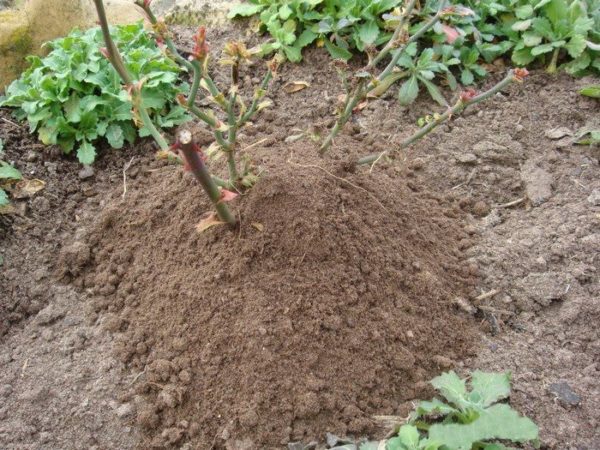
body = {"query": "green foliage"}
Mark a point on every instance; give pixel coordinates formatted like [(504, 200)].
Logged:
[(7, 173), (458, 48), (547, 31), (341, 26), (469, 419), (591, 91), (73, 97)]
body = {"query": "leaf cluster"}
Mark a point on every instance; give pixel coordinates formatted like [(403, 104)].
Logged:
[(468, 418), (340, 26), (73, 97)]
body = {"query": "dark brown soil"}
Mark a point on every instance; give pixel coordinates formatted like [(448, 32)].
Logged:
[(325, 308), (302, 321)]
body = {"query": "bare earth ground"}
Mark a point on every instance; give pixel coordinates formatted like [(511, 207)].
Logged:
[(85, 366)]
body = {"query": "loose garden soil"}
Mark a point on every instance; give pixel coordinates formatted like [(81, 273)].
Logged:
[(334, 302)]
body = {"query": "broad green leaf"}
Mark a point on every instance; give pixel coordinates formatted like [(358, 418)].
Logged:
[(531, 39), (115, 136), (591, 91), (490, 387), (307, 37), (8, 172), (409, 91), (86, 154), (244, 10), (369, 32), (521, 25), (451, 386), (524, 12), (409, 436), (522, 57), (285, 12), (435, 406), (541, 49), (466, 77), (496, 422), (3, 198), (337, 52), (293, 53), (434, 92), (576, 46)]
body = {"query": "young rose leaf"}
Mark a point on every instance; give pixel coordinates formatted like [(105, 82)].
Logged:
[(409, 91), (227, 196)]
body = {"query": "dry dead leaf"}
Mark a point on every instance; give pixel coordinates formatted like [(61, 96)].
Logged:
[(210, 220), (28, 188), (259, 226), (295, 86)]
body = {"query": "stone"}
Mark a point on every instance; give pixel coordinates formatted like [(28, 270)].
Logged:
[(564, 394), (538, 184), (466, 158), (86, 173), (125, 410), (594, 198)]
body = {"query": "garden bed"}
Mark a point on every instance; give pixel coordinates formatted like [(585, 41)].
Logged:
[(335, 301)]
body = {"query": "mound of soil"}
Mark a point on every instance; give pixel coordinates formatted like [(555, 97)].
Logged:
[(334, 301)]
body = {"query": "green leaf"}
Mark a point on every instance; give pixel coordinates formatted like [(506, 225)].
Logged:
[(337, 52), (466, 77), (8, 172), (524, 12), (369, 32), (244, 10), (591, 91), (306, 38), (115, 136), (496, 422), (293, 53), (409, 435), (3, 200), (434, 92), (490, 387), (285, 12), (521, 25), (541, 49), (576, 46), (409, 91), (531, 39), (86, 154), (451, 387)]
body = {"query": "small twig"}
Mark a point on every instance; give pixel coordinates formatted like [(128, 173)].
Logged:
[(513, 203), (125, 169), (314, 166), (10, 122), (487, 295), (137, 377), (495, 310), (467, 181), (255, 144)]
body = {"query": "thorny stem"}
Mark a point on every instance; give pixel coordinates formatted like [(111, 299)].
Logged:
[(198, 168), (459, 107), (209, 183), (397, 32), (361, 91), (263, 87), (113, 52)]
